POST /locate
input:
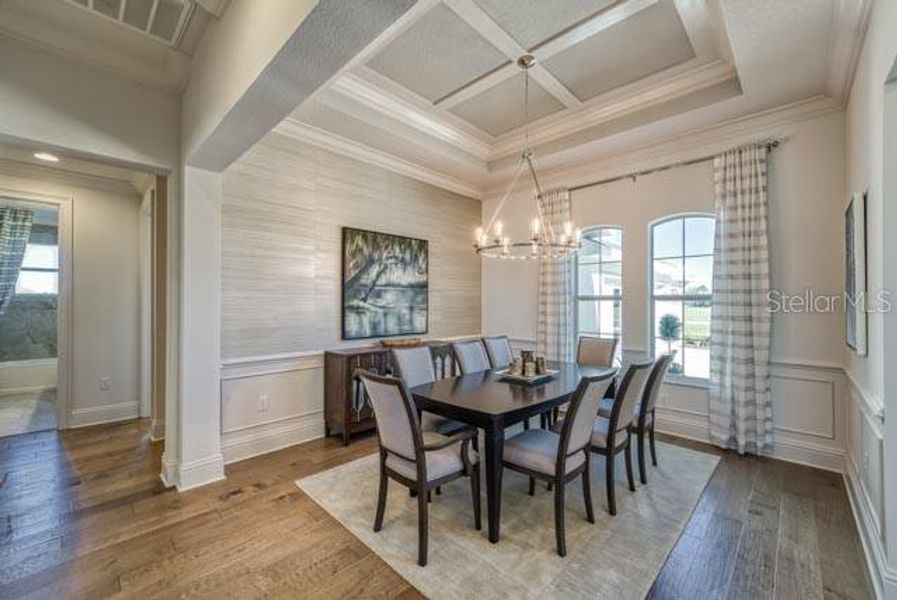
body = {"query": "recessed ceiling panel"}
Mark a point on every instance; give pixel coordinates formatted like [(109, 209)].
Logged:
[(500, 108), (437, 55), (532, 22), (648, 42)]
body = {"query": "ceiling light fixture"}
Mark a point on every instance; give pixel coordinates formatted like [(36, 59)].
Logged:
[(46, 156), (543, 241)]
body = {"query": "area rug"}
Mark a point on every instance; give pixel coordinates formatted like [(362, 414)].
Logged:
[(617, 557)]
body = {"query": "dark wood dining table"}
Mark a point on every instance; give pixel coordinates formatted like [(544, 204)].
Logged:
[(486, 401)]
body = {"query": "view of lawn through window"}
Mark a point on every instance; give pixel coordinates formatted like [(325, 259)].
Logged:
[(599, 282), (682, 288)]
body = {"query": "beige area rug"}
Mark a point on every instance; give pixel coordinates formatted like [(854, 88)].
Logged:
[(617, 557)]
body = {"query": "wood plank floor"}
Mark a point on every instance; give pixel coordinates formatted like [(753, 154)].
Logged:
[(83, 515)]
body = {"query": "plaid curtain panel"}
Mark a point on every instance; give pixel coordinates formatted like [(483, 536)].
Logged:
[(554, 332), (740, 405), (15, 227)]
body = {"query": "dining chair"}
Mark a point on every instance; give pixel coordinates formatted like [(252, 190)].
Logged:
[(560, 457), (417, 366), (610, 435), (419, 460), (471, 356), (498, 347), (594, 351)]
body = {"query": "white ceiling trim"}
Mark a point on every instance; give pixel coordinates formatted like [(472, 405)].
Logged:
[(684, 145), (345, 147), (699, 28), (663, 87), (489, 29), (849, 24), (423, 120)]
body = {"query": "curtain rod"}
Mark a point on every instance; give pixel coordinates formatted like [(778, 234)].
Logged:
[(769, 146)]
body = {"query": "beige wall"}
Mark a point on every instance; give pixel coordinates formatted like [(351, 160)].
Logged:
[(105, 301), (806, 238), (283, 208)]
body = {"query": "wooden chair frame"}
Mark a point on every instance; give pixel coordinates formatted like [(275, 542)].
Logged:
[(561, 478), (648, 406), (422, 487)]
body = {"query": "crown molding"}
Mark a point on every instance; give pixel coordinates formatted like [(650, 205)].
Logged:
[(345, 147), (684, 145), (662, 88), (418, 117), (849, 24)]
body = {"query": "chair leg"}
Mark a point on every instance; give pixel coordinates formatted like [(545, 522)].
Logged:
[(532, 486), (526, 425), (438, 490), (543, 421), (429, 496), (609, 480), (653, 450), (381, 500), (629, 477), (475, 441), (642, 470), (475, 492), (587, 492), (559, 518), (422, 525)]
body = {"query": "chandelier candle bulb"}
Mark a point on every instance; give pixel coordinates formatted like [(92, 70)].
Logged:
[(568, 229), (534, 229)]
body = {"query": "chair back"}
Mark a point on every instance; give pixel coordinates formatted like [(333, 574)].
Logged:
[(471, 356), (415, 365), (577, 431), (655, 379), (443, 361), (631, 391), (595, 351), (396, 415), (498, 347)]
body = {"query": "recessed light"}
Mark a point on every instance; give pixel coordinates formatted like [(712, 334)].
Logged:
[(46, 156)]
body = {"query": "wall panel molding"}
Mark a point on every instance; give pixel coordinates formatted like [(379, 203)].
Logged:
[(95, 415)]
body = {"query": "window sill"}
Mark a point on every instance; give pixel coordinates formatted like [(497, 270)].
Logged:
[(692, 382)]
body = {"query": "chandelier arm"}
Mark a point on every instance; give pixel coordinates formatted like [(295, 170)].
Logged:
[(504, 198)]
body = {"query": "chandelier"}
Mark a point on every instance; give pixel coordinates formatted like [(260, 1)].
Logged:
[(543, 241)]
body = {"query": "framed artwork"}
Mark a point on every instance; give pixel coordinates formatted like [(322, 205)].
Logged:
[(385, 285), (855, 279)]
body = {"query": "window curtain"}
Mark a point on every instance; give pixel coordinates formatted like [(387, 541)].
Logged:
[(555, 332), (15, 227), (740, 407)]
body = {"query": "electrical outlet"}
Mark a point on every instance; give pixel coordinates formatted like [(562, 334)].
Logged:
[(105, 383), (263, 403)]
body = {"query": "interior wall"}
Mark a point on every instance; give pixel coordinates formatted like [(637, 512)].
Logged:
[(284, 205), (806, 237), (105, 316), (873, 440)]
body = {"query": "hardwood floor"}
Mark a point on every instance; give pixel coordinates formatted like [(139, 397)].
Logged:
[(85, 516)]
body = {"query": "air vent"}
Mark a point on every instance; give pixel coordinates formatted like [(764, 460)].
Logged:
[(165, 20)]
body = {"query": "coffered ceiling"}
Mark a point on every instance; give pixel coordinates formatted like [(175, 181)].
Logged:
[(441, 90)]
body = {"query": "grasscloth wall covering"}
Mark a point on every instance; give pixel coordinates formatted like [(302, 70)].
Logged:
[(284, 204)]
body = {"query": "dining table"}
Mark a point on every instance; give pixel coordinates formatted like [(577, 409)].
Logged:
[(487, 401)]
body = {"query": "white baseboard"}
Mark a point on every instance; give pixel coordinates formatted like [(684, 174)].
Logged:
[(268, 437), (199, 472), (95, 415), (157, 430), (33, 389), (885, 583)]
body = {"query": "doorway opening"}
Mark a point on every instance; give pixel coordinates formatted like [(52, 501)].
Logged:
[(29, 316)]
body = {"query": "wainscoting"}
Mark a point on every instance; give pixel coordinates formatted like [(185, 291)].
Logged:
[(864, 475), (271, 402), (96, 415)]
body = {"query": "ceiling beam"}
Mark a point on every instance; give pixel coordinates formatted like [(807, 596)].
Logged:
[(477, 18)]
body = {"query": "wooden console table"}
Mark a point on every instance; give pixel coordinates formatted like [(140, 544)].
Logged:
[(347, 409)]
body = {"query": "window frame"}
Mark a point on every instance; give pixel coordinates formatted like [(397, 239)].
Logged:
[(683, 379), (25, 269), (577, 297)]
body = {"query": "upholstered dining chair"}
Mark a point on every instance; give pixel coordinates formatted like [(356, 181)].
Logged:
[(498, 347), (471, 356), (596, 351), (610, 435), (419, 460), (416, 367), (560, 457)]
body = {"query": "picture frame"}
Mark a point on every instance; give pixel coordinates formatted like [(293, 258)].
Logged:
[(384, 285), (855, 274)]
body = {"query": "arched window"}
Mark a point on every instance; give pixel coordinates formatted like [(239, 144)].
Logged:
[(599, 283), (682, 292)]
